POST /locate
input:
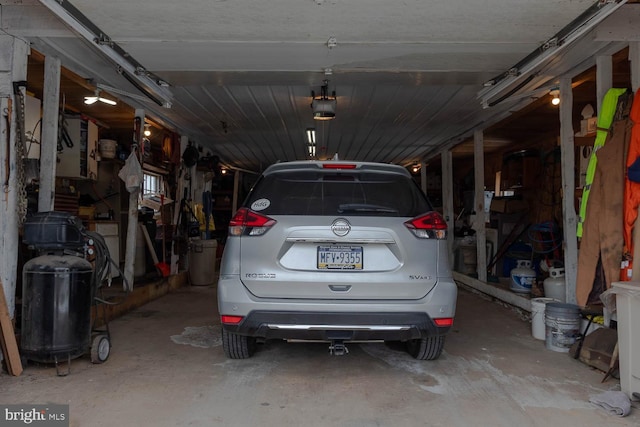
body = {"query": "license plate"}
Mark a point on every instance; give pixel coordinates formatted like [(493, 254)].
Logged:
[(340, 258)]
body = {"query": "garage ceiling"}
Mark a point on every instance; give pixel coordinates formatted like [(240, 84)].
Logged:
[(408, 75)]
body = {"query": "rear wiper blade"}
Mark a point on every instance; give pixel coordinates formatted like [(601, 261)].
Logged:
[(363, 207)]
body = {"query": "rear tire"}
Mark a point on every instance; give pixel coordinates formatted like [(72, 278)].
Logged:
[(428, 348), (237, 346)]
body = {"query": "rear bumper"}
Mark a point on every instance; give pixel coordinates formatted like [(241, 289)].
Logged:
[(336, 319), (336, 326)]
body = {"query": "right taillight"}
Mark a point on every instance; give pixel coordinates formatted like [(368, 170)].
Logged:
[(428, 226), (249, 223)]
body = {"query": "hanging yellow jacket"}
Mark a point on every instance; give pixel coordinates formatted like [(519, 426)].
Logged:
[(605, 118)]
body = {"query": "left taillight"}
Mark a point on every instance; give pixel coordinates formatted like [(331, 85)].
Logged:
[(428, 226), (249, 223), (444, 322), (230, 320)]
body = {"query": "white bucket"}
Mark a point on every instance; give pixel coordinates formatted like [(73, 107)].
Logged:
[(107, 148), (537, 317), (563, 326)]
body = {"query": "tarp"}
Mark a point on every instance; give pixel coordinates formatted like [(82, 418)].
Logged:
[(631, 188)]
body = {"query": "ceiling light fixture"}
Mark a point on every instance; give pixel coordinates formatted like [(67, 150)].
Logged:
[(415, 168), (324, 106), (311, 150), (311, 142), (311, 136), (555, 93), (147, 130), (93, 99)]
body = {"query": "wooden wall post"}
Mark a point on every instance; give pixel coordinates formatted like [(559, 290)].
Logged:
[(480, 224), (49, 140), (14, 54), (446, 159), (567, 160)]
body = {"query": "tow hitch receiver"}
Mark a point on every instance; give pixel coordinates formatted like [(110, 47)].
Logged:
[(337, 348)]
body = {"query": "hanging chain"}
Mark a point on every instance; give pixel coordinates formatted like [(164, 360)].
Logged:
[(7, 161), (21, 153)]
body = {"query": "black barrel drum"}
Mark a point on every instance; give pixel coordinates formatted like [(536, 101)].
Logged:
[(56, 308)]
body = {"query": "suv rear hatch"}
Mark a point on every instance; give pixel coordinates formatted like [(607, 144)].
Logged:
[(340, 234)]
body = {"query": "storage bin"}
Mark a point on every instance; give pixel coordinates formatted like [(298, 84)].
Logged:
[(202, 262), (628, 311)]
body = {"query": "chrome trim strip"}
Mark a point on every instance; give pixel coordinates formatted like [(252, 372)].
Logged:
[(328, 341), (339, 327), (341, 242)]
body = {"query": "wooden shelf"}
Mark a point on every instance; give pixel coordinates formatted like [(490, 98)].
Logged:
[(584, 140)]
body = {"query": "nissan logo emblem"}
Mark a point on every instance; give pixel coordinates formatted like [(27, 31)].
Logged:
[(341, 227)]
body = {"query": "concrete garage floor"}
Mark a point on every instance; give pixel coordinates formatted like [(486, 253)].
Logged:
[(167, 368)]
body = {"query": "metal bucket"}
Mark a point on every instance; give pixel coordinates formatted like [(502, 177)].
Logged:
[(562, 326)]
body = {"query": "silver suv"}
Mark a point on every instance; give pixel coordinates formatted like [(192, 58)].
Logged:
[(336, 251)]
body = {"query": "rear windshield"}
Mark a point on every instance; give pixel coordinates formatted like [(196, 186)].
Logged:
[(330, 192)]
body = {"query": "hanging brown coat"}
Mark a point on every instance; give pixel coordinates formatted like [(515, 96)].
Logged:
[(603, 230)]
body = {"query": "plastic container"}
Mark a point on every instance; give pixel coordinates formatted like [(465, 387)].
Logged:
[(584, 323), (202, 262), (523, 277), (465, 258), (562, 323), (107, 148), (53, 230), (554, 285), (628, 309), (538, 306), (88, 212), (56, 308)]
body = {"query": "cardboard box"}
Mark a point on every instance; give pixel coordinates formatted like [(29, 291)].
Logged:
[(508, 205), (588, 126)]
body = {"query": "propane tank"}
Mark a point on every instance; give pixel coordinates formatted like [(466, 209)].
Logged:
[(554, 285), (523, 277)]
